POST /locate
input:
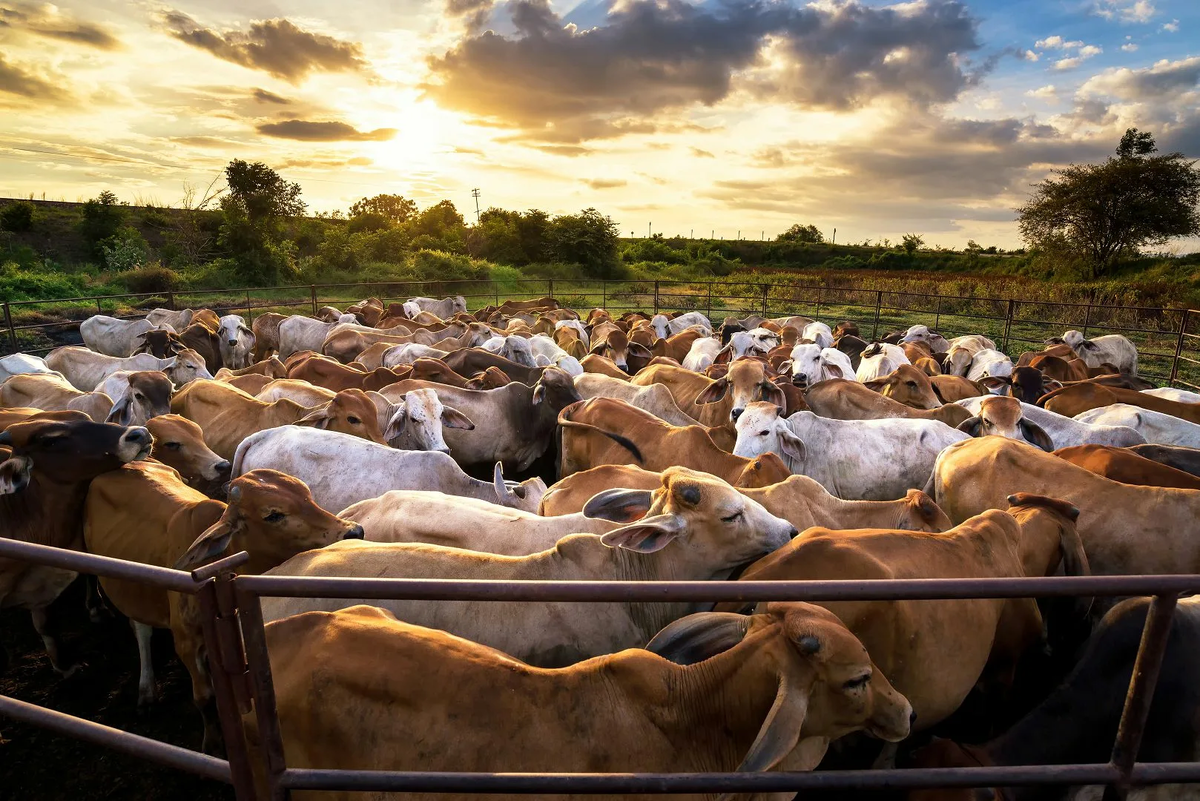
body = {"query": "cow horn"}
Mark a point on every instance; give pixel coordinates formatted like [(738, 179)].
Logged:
[(5, 438), (699, 636)]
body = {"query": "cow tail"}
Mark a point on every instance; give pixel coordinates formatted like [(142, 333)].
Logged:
[(624, 442)]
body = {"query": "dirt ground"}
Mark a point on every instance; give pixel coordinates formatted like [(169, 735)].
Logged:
[(38, 765)]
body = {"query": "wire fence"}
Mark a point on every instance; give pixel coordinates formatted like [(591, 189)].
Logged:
[(1167, 339)]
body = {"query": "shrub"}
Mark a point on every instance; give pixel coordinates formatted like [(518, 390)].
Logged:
[(17, 216), (19, 283), (368, 221), (153, 278), (101, 219), (125, 250), (588, 239), (437, 265), (336, 251)]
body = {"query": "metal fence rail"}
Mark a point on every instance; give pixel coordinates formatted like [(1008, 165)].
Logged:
[(1168, 339)]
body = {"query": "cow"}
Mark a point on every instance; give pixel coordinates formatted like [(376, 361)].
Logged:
[(399, 355), (844, 399), (609, 340), (270, 515), (228, 415), (113, 336), (547, 353), (907, 639), (136, 396), (469, 361), (879, 359), (1111, 349), (906, 385), (266, 334), (1066, 431), (809, 363), (1030, 383), (328, 314), (318, 458), (954, 388), (666, 328), (1185, 459), (51, 392), (1157, 428), (324, 372), (571, 340), (159, 342), (679, 345), (21, 364), (418, 419), (1004, 417), (236, 342), (715, 402), (44, 481), (1120, 464), (1126, 529), (755, 342), (702, 353), (345, 343), (85, 369), (170, 318), (609, 431), (514, 348), (717, 529), (921, 333), (270, 367), (992, 369), (298, 333), (514, 424), (204, 340), (1077, 722), (179, 444), (1074, 399), (961, 352), (655, 398), (1168, 393), (853, 459), (444, 308), (799, 679)]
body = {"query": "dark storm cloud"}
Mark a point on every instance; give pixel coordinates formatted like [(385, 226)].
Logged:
[(315, 131), (558, 83), (52, 23), (275, 46)]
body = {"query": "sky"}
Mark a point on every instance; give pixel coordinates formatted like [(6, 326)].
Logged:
[(723, 117)]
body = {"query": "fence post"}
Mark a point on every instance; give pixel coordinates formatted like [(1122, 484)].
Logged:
[(656, 297), (1174, 362), (937, 317), (550, 288), (249, 313), (878, 306), (312, 289), (604, 293), (764, 288), (1008, 318), (817, 313), (1087, 317), (710, 301), (8, 322), (171, 299)]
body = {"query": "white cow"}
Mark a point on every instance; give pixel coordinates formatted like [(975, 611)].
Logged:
[(401, 355), (755, 342), (810, 363), (547, 353), (444, 308), (921, 333), (320, 458), (1158, 428), (1065, 431), (418, 419), (21, 364), (167, 318), (880, 359), (1169, 393), (236, 341), (85, 368), (961, 353), (298, 333), (1111, 349), (818, 333), (666, 328), (853, 459), (993, 369), (656, 398), (114, 337), (514, 348), (455, 522), (702, 354)]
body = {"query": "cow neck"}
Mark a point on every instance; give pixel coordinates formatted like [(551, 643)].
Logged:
[(30, 514), (839, 514), (650, 617)]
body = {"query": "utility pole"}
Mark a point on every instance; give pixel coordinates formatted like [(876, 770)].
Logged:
[(691, 233), (649, 228), (834, 242), (475, 194)]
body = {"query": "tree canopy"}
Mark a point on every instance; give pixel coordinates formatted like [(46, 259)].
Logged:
[(396, 208), (260, 192), (1101, 212), (802, 233)]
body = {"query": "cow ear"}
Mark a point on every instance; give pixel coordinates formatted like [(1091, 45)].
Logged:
[(833, 370), (699, 636), (317, 418), (877, 385), (785, 367), (724, 355), (647, 535), (453, 418), (15, 473), (539, 393), (598, 348), (541, 360), (619, 505), (209, 545), (639, 350), (714, 392), (773, 394), (780, 732), (790, 444), (971, 426), (1036, 435), (122, 412), (397, 423)]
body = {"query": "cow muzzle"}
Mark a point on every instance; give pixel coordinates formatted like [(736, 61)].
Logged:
[(355, 533)]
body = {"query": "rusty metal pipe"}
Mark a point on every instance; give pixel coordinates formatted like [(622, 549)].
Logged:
[(81, 562), (226, 564), (876, 590), (132, 744)]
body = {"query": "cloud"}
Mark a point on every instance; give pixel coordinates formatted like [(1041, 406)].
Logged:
[(563, 150), (1165, 79), (701, 154), (1030, 55), (1129, 47), (560, 83), (1047, 93), (473, 12), (1171, 27), (1056, 43), (331, 131), (16, 80), (263, 96), (277, 47), (49, 21), (1136, 11), (605, 183), (1081, 55)]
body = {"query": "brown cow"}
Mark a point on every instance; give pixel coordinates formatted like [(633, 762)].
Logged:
[(228, 415), (843, 399), (609, 431), (332, 375), (604, 366), (44, 481), (1078, 398), (270, 515), (470, 361), (179, 444), (908, 385), (1004, 417), (266, 334), (204, 340), (1120, 464), (677, 346), (1177, 456), (160, 343), (952, 388), (716, 403), (1060, 350), (609, 340), (270, 367)]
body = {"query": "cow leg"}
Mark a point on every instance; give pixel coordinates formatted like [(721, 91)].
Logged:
[(192, 654), (41, 623), (147, 692), (98, 610)]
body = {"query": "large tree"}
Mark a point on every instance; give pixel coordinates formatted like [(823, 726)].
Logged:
[(261, 193), (810, 234), (395, 208), (1103, 211)]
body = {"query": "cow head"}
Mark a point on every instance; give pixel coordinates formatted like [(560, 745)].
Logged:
[(351, 411), (145, 395), (514, 348), (160, 343), (763, 429), (1030, 383), (179, 443), (827, 684), (1004, 417), (418, 420), (921, 513), (749, 380), (958, 361), (818, 333), (809, 363), (273, 517), (907, 385), (186, 366), (555, 389), (67, 451), (612, 342), (719, 527)]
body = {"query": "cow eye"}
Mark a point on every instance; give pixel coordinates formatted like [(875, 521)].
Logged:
[(912, 384), (855, 683), (733, 517), (763, 433), (274, 517), (352, 420), (173, 446)]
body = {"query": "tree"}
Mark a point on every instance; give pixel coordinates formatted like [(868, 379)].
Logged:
[(1100, 212), (395, 208), (17, 216), (102, 216), (261, 193), (802, 233), (588, 239), (910, 243)]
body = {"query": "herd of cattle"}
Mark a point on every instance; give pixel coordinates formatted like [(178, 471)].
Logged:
[(361, 444)]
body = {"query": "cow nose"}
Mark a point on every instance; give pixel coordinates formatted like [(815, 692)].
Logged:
[(912, 718), (792, 533), (232, 342), (138, 435), (355, 533), (224, 468), (736, 413), (443, 449)]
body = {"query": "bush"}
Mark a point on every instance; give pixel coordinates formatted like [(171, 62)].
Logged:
[(368, 221), (154, 278), (102, 217), (17, 216), (437, 265), (652, 250), (125, 250), (588, 239), (336, 251), (19, 283), (390, 245)]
